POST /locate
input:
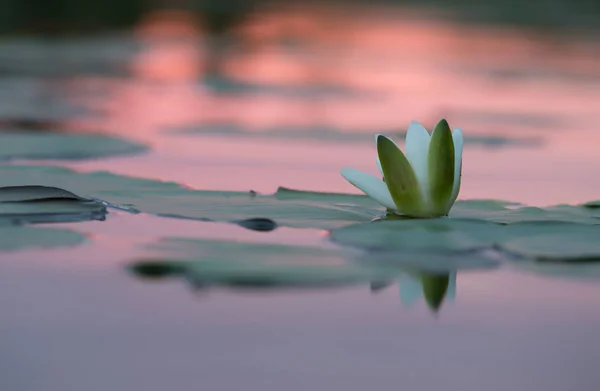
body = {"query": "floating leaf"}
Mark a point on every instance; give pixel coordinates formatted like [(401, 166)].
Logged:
[(35, 193), (575, 244), (44, 204), (300, 209), (285, 208), (29, 145), (440, 235), (509, 213)]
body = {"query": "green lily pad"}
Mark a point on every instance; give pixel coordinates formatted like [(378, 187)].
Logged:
[(508, 213), (205, 263), (36, 145), (298, 209), (547, 241), (433, 235), (35, 193), (14, 238), (43, 204), (578, 243), (286, 207)]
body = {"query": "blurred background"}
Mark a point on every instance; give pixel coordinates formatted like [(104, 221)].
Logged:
[(221, 16), (191, 78)]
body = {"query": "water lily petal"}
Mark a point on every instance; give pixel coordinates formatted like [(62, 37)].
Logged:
[(370, 185), (399, 177), (441, 168), (457, 137), (417, 149)]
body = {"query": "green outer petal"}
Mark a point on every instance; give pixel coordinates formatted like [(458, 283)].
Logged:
[(399, 177), (441, 167)]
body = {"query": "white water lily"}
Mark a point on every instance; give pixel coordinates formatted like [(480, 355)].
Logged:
[(424, 183)]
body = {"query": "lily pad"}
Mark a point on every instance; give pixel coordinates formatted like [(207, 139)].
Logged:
[(577, 244), (298, 209), (286, 207), (44, 204), (205, 263), (433, 235), (508, 213), (14, 238), (35, 193), (39, 145), (424, 240)]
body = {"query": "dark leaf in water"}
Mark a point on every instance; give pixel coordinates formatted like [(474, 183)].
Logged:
[(592, 205), (258, 224), (156, 269), (377, 286)]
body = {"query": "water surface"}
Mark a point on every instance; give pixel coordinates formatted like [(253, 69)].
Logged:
[(290, 104)]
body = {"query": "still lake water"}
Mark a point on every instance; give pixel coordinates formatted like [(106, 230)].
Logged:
[(294, 101)]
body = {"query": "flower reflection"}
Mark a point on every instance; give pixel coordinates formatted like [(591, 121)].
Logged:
[(432, 287)]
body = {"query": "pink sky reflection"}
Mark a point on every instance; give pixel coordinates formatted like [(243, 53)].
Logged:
[(400, 67)]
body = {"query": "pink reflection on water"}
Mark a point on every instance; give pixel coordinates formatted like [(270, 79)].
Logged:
[(398, 68)]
